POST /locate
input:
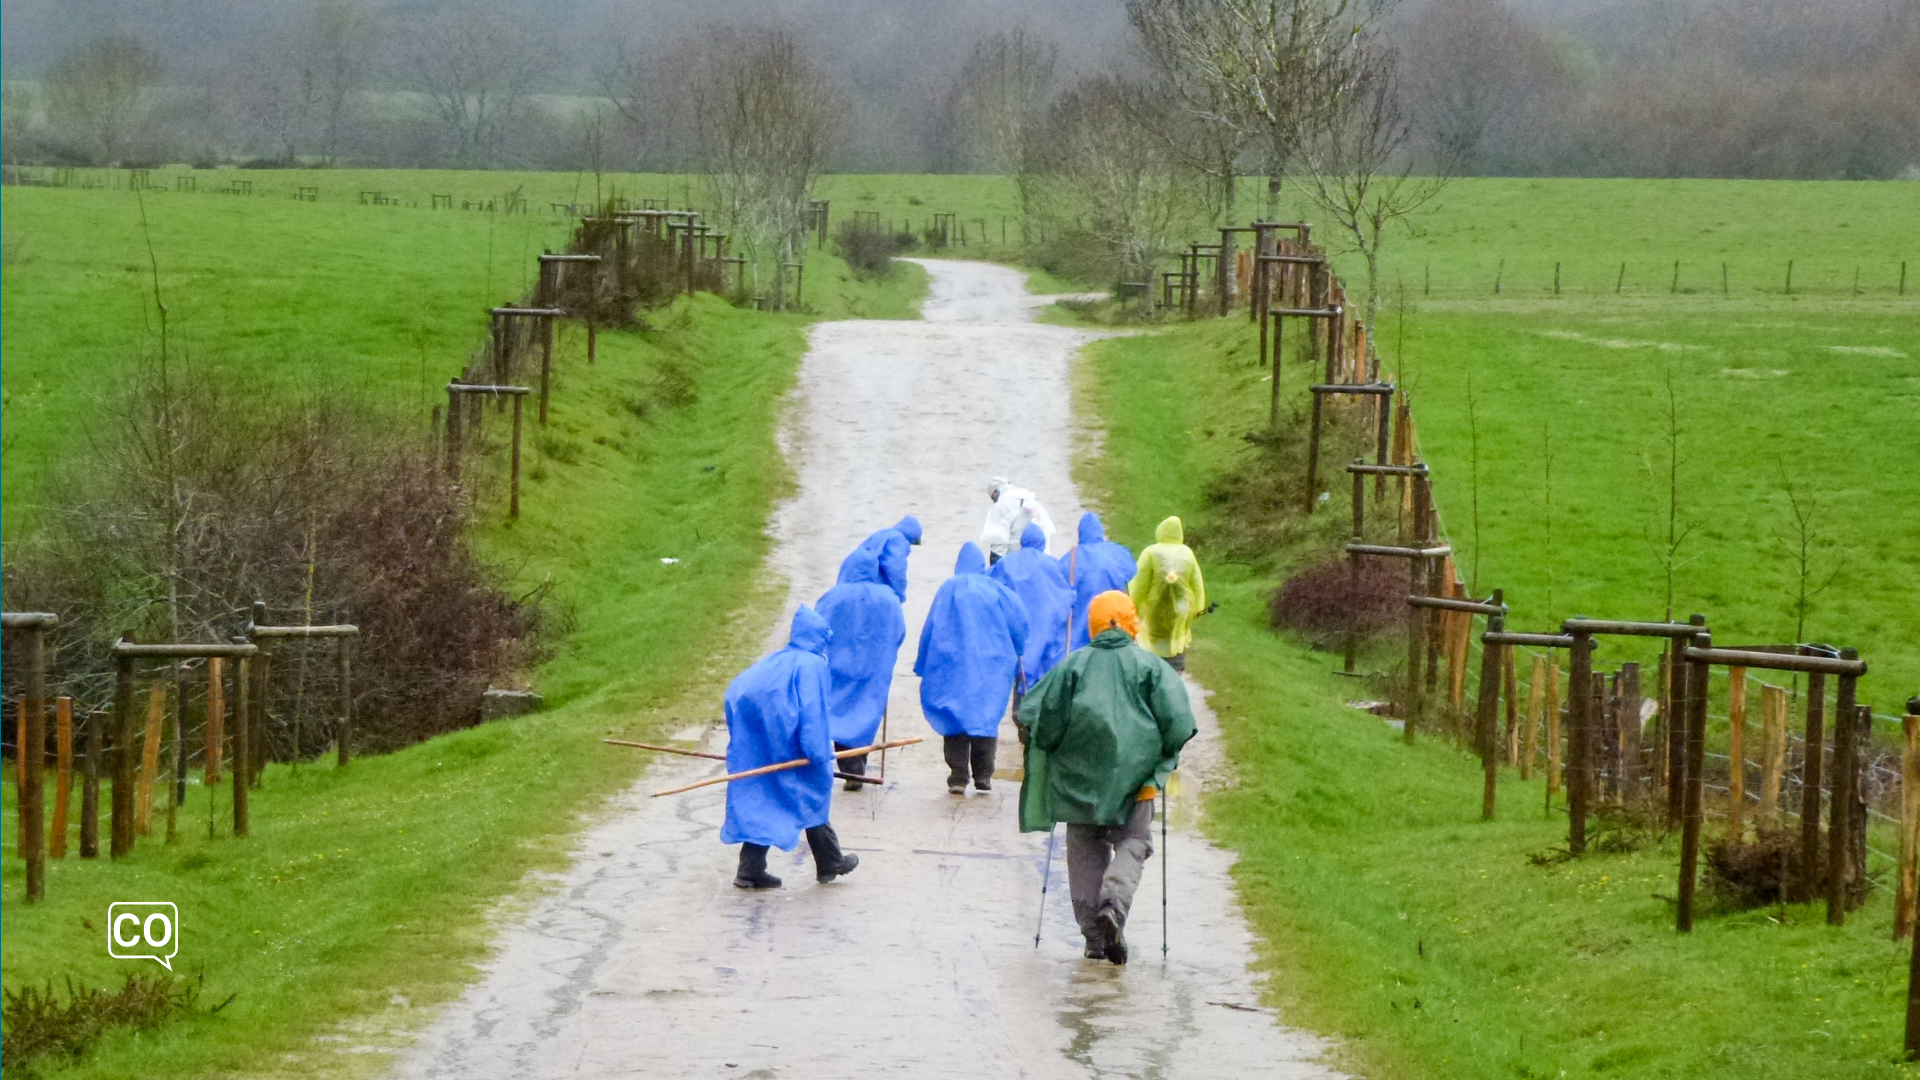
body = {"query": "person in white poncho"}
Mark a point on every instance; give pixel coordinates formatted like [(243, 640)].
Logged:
[(1014, 508)]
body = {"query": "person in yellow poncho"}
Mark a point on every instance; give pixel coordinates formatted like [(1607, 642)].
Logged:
[(1168, 592)]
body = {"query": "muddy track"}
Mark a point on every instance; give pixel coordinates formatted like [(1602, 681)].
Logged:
[(646, 961)]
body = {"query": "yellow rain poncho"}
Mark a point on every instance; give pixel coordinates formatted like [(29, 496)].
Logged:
[(1167, 591)]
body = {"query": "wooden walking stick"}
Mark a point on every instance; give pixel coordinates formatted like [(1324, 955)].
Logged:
[(781, 766), (1166, 802), (667, 749)]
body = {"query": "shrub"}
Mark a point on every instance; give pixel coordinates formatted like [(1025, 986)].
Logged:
[(39, 1025), (869, 249), (1327, 598)]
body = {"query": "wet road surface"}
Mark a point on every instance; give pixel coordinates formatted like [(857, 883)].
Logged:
[(645, 961)]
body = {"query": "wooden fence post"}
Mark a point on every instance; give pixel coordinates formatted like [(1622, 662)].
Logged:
[(122, 841), (63, 773), (1810, 780), (1631, 771), (1695, 793), (1840, 868), (1510, 687), (1536, 702), (1486, 729), (343, 743), (90, 787), (149, 758), (1904, 892), (513, 505), (1579, 724), (1736, 752), (1553, 731), (1773, 764), (216, 717), (33, 752), (243, 679)]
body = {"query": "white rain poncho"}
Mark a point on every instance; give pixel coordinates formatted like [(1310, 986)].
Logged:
[(1014, 508)]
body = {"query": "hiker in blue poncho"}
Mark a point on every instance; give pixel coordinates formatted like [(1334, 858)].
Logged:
[(969, 655), (1093, 567), (868, 628), (1041, 584), (890, 547), (777, 711)]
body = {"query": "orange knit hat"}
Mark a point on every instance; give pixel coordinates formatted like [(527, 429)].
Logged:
[(1110, 609)]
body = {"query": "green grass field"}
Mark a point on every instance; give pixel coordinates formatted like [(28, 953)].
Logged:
[(365, 894), (1426, 942)]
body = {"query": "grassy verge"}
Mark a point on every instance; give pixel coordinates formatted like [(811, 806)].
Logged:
[(366, 895), (1428, 943)]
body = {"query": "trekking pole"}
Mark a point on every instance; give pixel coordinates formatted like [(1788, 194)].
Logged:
[(1165, 804), (1046, 876)]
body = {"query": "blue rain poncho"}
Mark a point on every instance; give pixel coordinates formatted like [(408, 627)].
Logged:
[(1095, 566), (868, 628), (890, 548), (777, 711), (1041, 584), (970, 650)]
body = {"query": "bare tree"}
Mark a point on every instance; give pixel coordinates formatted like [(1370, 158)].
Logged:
[(102, 89), (1094, 174), (767, 120), (337, 48), (1354, 166), (478, 70), (1477, 73), (1001, 93), (651, 90), (273, 90), (1269, 69), (1803, 540)]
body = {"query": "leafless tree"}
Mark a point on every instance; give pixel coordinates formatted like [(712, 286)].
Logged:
[(767, 120), (1000, 93), (338, 49), (650, 88), (19, 109), (1477, 73), (101, 89), (1354, 167), (1093, 173), (274, 92), (478, 70), (1268, 69)]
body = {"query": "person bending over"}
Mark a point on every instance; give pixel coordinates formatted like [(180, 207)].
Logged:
[(777, 711)]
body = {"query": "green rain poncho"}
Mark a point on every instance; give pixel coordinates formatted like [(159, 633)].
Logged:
[(1167, 591), (1105, 722)]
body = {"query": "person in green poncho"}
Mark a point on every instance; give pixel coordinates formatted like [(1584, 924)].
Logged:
[(1102, 732), (1168, 593)]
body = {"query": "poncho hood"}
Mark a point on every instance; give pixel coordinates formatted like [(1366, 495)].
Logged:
[(860, 567), (971, 561), (1170, 531), (909, 527), (1091, 531), (1033, 539), (810, 632)]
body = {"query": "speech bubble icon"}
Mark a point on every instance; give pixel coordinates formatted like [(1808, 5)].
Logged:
[(143, 930)]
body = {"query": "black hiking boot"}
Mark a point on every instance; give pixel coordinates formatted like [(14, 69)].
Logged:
[(1096, 948), (845, 866), (752, 873), (1115, 938)]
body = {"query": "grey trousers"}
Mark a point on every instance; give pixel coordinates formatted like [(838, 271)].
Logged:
[(1104, 863)]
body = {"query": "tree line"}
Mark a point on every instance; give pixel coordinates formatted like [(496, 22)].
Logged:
[(1749, 88)]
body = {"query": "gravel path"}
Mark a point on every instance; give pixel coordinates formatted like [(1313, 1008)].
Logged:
[(645, 961)]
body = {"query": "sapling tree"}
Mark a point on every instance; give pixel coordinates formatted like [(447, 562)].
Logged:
[(1802, 539), (1669, 537)]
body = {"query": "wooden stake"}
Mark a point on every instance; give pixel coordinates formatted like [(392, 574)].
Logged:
[(1736, 752), (1553, 731), (90, 787), (63, 772), (1536, 705), (216, 716), (1904, 893), (149, 760), (1510, 683), (1810, 781), (1773, 753), (244, 675)]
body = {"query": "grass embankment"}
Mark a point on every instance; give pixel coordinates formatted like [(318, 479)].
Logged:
[(364, 894), (1393, 919)]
